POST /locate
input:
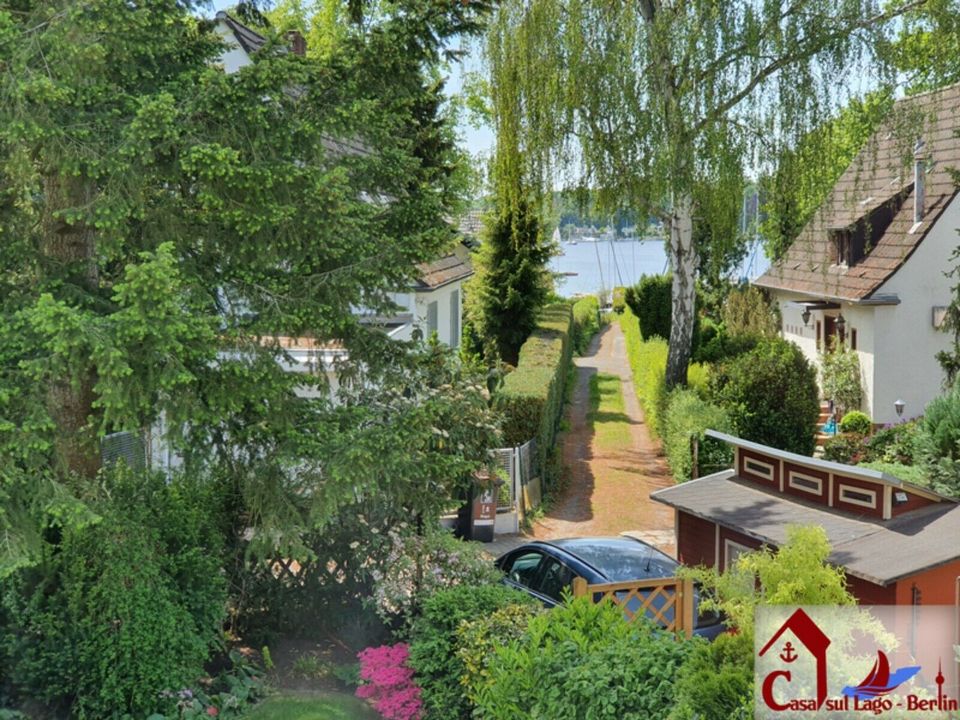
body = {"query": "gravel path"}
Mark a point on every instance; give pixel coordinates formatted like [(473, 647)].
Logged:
[(608, 491)]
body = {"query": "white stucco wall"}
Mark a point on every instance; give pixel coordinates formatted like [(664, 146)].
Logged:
[(234, 57), (441, 296), (906, 340)]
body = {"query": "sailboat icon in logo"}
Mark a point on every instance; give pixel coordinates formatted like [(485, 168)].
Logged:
[(880, 681)]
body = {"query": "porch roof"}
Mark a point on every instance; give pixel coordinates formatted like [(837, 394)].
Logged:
[(923, 539)]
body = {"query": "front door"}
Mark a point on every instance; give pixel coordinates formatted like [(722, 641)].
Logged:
[(829, 333)]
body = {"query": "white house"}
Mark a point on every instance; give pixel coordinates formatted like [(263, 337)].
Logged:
[(869, 269)]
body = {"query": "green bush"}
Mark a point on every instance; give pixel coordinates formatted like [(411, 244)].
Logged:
[(719, 346), (688, 414), (586, 322), (841, 378), (894, 444), (650, 301), (771, 395), (433, 643), (122, 609), (747, 312), (716, 681), (908, 473), (939, 442), (583, 660), (530, 401), (847, 448), (856, 422), (478, 639), (619, 299), (648, 363)]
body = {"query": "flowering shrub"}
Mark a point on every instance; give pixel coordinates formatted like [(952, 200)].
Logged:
[(418, 566), (389, 684)]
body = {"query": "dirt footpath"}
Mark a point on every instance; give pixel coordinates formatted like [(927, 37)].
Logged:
[(609, 488)]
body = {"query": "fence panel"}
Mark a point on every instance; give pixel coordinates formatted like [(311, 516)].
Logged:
[(666, 601)]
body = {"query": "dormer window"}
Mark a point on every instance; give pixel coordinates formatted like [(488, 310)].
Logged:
[(842, 247)]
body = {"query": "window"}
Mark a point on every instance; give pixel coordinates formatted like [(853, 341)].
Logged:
[(806, 483), (522, 568), (841, 247), (819, 334), (455, 318), (858, 496), (554, 578), (758, 468), (731, 551), (432, 320), (853, 338)]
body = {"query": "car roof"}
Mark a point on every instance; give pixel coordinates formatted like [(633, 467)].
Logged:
[(617, 558)]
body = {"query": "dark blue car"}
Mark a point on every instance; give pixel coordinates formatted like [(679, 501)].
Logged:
[(546, 569)]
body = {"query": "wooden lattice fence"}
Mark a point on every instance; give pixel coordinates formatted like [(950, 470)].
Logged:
[(665, 601)]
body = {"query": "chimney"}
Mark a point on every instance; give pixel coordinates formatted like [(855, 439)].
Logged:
[(919, 177), (298, 43)]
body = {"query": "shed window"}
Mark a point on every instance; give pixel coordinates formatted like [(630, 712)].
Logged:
[(806, 483), (755, 467), (455, 318), (858, 496), (432, 319)]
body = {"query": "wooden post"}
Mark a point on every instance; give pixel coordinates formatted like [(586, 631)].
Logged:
[(579, 587), (695, 452), (685, 588)]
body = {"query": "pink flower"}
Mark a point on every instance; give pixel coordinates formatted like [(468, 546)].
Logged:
[(212, 711), (390, 686)]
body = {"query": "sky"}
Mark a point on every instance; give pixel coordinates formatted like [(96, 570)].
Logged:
[(476, 141)]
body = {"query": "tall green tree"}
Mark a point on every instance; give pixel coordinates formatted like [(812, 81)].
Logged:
[(663, 103), (162, 224)]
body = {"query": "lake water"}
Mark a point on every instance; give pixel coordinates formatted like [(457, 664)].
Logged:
[(603, 265)]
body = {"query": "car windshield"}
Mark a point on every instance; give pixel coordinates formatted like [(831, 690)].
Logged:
[(621, 563)]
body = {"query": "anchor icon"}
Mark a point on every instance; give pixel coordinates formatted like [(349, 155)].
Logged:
[(788, 655)]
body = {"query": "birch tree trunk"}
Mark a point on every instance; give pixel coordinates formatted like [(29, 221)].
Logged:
[(71, 247), (684, 261)]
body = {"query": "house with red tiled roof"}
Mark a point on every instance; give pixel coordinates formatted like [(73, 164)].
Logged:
[(868, 269)]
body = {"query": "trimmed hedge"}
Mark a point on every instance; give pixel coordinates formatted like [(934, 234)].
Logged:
[(648, 361), (586, 322), (530, 400), (687, 414)]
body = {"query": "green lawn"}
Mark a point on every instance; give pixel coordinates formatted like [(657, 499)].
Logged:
[(610, 424), (329, 706)]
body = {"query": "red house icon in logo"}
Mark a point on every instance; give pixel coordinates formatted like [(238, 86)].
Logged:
[(814, 640)]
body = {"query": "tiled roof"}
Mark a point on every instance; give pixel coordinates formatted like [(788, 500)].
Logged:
[(922, 539), (450, 268), (882, 171), (249, 40)]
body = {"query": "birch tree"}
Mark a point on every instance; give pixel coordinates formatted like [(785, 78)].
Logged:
[(662, 105)]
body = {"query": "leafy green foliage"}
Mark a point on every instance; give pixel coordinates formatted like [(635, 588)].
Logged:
[(771, 395), (477, 641), (124, 608), (584, 660), (807, 171), (748, 311), (586, 322), (847, 448), (795, 574), (648, 362), (939, 442), (841, 378), (908, 473), (650, 302), (689, 415), (511, 283), (434, 642), (895, 443), (716, 681), (928, 45), (856, 422), (531, 399)]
